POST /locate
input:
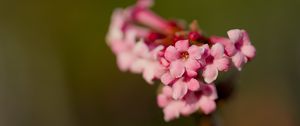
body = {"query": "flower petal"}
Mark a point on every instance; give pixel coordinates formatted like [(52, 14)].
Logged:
[(138, 66), (156, 51), (229, 46), (124, 61), (222, 64), (167, 78), (179, 89), (246, 39), (171, 53), (192, 64), (235, 35), (162, 100), (177, 68), (182, 45), (172, 110), (207, 105), (249, 51), (210, 73), (168, 91), (209, 91), (217, 50), (195, 52), (141, 49), (149, 74), (193, 84), (238, 60)]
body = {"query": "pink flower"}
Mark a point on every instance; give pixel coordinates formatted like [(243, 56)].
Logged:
[(183, 58), (215, 61), (230, 49), (123, 50), (203, 99), (115, 32), (146, 62), (245, 50), (172, 108), (181, 87)]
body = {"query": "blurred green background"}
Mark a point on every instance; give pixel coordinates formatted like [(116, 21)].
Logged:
[(56, 69)]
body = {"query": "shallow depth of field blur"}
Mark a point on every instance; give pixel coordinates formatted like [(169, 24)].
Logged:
[(56, 69)]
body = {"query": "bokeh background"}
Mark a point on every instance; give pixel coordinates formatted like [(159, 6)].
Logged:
[(56, 70)]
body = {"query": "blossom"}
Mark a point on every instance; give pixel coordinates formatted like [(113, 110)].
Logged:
[(245, 50), (202, 99), (124, 51), (183, 58), (146, 62), (229, 47), (181, 87), (147, 44), (215, 61)]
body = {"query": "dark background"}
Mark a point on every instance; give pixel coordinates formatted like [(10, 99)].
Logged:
[(56, 69)]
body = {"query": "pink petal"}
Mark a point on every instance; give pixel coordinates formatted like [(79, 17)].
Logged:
[(190, 104), (210, 73), (130, 37), (138, 66), (207, 105), (192, 64), (193, 84), (118, 46), (164, 62), (171, 53), (217, 50), (172, 111), (246, 39), (168, 91), (209, 91), (222, 64), (195, 52), (124, 61), (156, 51), (179, 89), (149, 74), (235, 35), (238, 60), (191, 73), (249, 51), (141, 49), (182, 45), (162, 100), (229, 46), (159, 70), (189, 109), (167, 78), (177, 68)]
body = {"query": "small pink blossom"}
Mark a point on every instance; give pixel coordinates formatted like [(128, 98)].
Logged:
[(230, 49), (202, 99), (124, 51), (115, 32), (215, 61), (181, 87), (183, 58), (245, 50), (147, 62)]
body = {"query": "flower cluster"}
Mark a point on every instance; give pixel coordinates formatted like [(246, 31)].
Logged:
[(185, 61)]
